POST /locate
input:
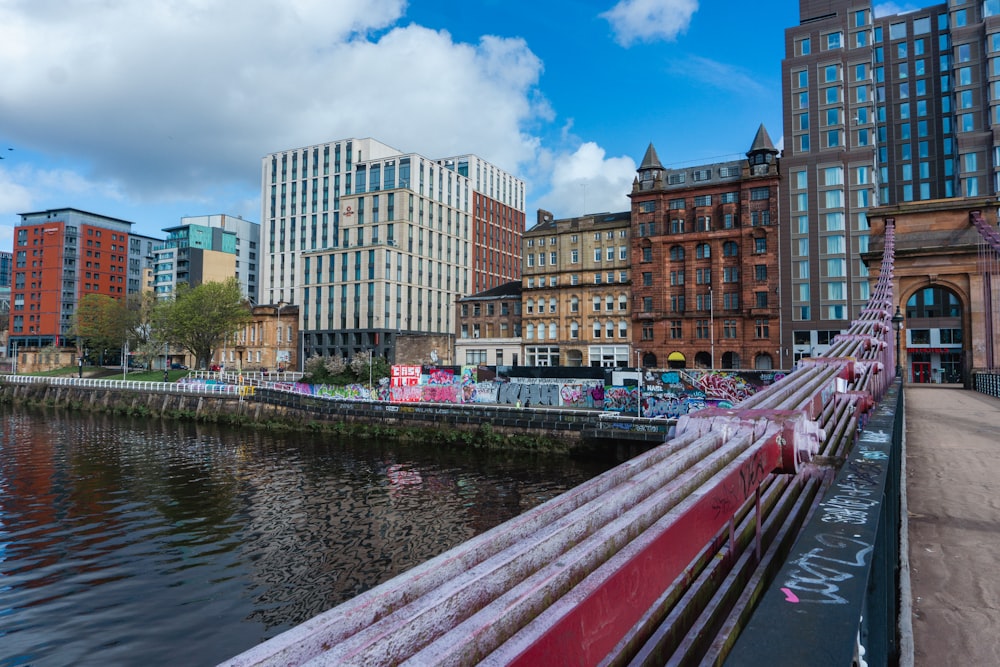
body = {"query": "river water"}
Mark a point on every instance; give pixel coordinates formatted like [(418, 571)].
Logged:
[(149, 542)]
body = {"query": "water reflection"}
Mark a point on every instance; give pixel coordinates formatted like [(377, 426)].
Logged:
[(127, 541)]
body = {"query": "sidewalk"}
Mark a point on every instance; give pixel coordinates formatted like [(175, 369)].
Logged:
[(953, 496)]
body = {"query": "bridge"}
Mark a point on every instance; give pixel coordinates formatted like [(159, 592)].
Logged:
[(763, 534)]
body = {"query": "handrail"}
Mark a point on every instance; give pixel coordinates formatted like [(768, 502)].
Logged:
[(199, 388)]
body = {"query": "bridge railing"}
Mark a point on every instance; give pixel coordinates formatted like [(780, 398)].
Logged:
[(987, 383), (660, 560)]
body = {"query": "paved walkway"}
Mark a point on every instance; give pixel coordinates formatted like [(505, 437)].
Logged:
[(953, 497)]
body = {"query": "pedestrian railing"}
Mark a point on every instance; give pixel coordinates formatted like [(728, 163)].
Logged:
[(199, 388), (987, 382)]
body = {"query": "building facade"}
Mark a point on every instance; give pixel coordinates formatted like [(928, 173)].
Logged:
[(489, 327), (704, 257), (945, 277), (576, 307), (267, 343), (207, 248), (373, 243), (61, 255), (885, 111)]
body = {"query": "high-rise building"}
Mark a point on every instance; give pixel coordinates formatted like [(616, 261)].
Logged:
[(878, 110), (208, 248), (61, 255), (704, 262), (371, 242)]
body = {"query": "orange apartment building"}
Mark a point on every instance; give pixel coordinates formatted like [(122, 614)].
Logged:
[(61, 255)]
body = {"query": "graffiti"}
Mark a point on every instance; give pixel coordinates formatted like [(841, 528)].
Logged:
[(819, 571), (582, 395), (672, 377), (731, 387), (620, 399), (513, 393)]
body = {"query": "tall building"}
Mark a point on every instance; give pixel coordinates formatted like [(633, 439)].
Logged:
[(61, 255), (880, 110), (371, 242), (576, 309), (208, 248), (704, 251)]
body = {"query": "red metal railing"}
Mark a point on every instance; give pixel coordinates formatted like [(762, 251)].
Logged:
[(659, 560)]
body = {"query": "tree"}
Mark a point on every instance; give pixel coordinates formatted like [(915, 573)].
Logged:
[(102, 321), (199, 318)]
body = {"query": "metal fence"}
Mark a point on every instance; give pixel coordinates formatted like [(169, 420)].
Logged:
[(987, 383), (195, 388)]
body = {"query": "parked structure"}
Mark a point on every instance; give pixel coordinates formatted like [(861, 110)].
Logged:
[(877, 111), (373, 243), (489, 327), (208, 248), (576, 305), (704, 249), (61, 255)]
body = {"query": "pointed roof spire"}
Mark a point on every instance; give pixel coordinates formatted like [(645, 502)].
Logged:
[(650, 160), (762, 142)]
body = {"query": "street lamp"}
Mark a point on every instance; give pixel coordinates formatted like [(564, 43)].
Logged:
[(638, 365), (277, 334), (897, 324)]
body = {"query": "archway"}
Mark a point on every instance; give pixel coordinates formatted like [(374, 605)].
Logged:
[(935, 337), (763, 362), (676, 360), (574, 358), (648, 360), (703, 360), (730, 360)]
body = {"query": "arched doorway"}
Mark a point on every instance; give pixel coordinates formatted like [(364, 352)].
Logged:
[(730, 360), (763, 362), (934, 336), (574, 358), (703, 360), (648, 360), (676, 360)]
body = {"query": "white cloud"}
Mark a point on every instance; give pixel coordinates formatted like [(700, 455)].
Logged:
[(649, 20), (587, 181), (719, 75), (168, 100)]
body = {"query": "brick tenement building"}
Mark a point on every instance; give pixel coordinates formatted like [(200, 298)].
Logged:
[(489, 327), (576, 307), (704, 250)]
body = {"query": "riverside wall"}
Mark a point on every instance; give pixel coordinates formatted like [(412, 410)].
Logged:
[(589, 432)]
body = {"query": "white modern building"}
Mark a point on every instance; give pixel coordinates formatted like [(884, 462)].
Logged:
[(372, 243)]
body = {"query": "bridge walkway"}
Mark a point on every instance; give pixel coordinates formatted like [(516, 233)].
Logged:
[(953, 497)]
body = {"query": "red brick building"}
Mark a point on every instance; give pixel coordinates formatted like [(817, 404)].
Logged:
[(61, 255), (705, 262)]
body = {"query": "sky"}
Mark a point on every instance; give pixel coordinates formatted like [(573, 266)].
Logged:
[(150, 111)]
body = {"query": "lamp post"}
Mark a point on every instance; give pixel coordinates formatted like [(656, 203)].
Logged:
[(711, 324), (277, 335), (370, 373), (897, 324), (638, 365)]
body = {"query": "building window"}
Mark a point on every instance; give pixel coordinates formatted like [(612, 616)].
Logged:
[(762, 329), (676, 329)]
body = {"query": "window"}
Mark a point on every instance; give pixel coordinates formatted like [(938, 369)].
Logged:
[(760, 194), (676, 329), (760, 299), (647, 304), (703, 200), (730, 249), (702, 251), (647, 279), (760, 245), (760, 272), (676, 253), (762, 329)]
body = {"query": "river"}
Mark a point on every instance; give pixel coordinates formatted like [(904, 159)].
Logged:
[(152, 542)]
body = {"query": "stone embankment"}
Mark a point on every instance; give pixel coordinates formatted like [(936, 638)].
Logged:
[(589, 432)]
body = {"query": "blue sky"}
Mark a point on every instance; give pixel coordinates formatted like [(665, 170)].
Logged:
[(149, 111)]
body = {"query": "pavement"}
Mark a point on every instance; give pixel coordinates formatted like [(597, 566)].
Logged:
[(952, 535)]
